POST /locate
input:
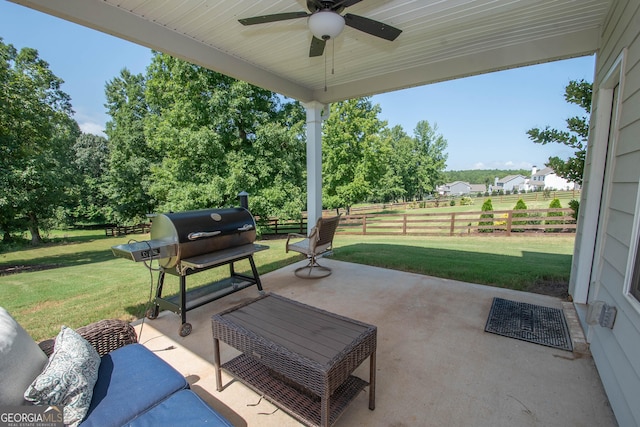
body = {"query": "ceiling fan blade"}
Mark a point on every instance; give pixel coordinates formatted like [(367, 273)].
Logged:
[(337, 6), (317, 47), (369, 26), (272, 18), (345, 3)]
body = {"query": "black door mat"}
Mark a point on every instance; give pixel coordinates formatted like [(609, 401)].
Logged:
[(528, 322)]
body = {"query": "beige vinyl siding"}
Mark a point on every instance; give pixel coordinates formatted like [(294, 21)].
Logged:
[(616, 350)]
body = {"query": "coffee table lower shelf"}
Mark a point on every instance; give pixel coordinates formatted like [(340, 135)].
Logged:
[(304, 407)]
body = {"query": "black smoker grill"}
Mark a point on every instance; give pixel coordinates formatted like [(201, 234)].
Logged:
[(185, 243)]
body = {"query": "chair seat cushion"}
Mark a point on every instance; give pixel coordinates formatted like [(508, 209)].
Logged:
[(183, 408), (301, 246), (131, 380)]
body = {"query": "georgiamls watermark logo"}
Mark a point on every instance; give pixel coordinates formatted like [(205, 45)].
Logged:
[(31, 416)]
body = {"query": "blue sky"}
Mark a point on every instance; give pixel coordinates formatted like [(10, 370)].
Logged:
[(483, 118)]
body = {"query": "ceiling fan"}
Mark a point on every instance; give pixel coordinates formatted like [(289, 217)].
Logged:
[(325, 22)]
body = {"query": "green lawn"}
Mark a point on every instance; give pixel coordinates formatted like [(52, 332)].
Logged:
[(84, 282), (529, 263), (532, 200)]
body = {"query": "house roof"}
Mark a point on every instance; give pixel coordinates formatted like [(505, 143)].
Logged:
[(440, 40), (544, 172), (510, 178), (451, 184)]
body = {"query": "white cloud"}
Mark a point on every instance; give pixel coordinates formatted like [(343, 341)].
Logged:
[(93, 128)]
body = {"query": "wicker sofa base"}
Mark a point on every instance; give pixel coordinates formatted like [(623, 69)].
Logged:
[(303, 406)]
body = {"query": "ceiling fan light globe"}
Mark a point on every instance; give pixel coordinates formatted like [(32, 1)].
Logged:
[(326, 24)]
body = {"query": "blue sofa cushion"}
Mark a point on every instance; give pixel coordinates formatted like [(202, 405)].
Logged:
[(131, 380), (184, 408)]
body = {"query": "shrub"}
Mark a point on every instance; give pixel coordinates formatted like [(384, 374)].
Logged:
[(555, 204), (452, 202), (466, 201), (520, 205), (486, 206), (575, 205), (533, 218), (502, 221)]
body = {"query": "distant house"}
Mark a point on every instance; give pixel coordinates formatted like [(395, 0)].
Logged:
[(509, 183), (459, 188), (455, 188), (478, 188), (546, 179)]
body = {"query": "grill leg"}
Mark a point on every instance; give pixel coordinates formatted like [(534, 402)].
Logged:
[(256, 276), (183, 299), (153, 312)]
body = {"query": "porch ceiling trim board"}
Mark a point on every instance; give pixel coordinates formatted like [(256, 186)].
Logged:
[(440, 40)]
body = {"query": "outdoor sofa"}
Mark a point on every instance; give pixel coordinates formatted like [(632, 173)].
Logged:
[(134, 387)]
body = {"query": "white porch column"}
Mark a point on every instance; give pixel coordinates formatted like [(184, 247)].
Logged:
[(314, 160)]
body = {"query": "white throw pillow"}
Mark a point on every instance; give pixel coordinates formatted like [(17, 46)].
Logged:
[(68, 378), (21, 360)]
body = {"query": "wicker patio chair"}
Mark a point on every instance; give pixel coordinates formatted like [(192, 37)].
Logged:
[(318, 242), (105, 336)]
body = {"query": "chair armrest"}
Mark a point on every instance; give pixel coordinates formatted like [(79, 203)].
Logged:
[(105, 336), (286, 246)]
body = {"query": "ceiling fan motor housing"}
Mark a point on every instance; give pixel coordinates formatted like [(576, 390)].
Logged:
[(326, 24)]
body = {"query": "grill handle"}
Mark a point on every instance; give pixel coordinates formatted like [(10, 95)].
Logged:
[(201, 234), (246, 227)]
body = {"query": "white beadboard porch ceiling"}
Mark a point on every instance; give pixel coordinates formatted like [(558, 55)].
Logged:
[(441, 39)]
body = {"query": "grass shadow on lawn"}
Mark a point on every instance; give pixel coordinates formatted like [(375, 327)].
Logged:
[(55, 261), (544, 273)]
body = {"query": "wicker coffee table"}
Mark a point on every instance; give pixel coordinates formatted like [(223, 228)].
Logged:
[(299, 357)]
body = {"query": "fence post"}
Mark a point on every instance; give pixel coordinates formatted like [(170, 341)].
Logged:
[(453, 223), (364, 224), (404, 224), (509, 220), (301, 225)]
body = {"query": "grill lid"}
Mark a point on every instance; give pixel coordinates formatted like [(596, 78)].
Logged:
[(183, 235), (190, 226)]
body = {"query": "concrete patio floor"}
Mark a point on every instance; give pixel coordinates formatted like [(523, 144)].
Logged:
[(436, 366)]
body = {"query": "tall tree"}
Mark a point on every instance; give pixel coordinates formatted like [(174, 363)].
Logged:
[(92, 165), (218, 136), (37, 133), (130, 157), (571, 169), (431, 156), (352, 149), (401, 178)]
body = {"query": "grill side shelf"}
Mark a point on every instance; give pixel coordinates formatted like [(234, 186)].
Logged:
[(205, 261)]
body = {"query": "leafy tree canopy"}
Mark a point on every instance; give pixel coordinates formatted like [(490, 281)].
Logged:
[(575, 137), (220, 136), (37, 134)]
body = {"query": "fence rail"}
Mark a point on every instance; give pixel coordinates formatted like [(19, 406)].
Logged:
[(505, 222), (284, 226), (119, 230)]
